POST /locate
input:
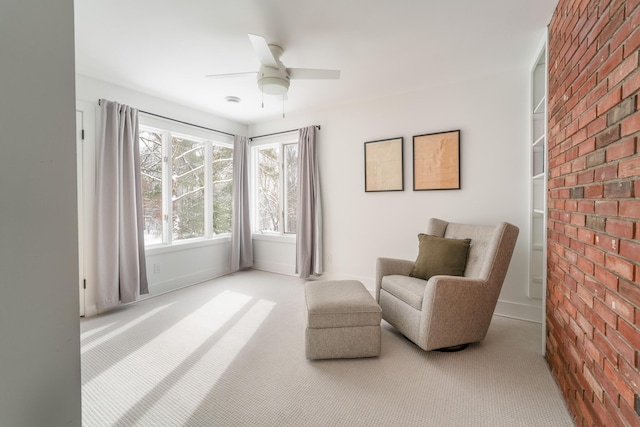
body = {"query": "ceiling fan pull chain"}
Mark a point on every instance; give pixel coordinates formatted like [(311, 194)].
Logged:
[(262, 91), (283, 106)]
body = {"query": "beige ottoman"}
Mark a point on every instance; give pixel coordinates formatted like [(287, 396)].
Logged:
[(343, 320)]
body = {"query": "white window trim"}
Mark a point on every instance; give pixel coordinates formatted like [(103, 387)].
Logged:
[(170, 128)]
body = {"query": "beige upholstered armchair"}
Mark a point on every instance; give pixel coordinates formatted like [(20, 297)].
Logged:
[(448, 312)]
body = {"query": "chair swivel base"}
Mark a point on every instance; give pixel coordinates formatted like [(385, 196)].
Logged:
[(453, 348)]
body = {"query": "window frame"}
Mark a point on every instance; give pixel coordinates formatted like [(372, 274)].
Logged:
[(169, 129), (279, 141)]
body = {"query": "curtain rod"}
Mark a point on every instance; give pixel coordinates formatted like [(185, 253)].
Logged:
[(184, 123), (278, 133)]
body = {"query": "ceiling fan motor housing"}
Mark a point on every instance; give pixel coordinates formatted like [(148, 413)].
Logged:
[(273, 81)]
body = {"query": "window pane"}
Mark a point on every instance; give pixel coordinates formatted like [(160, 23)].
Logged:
[(222, 182), (187, 188), (291, 186), (151, 171), (268, 195)]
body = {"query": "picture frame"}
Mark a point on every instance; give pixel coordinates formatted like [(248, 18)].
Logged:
[(436, 161), (384, 165)]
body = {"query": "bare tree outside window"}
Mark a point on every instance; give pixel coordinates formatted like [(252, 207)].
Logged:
[(151, 172), (222, 186), (268, 189), (291, 186), (187, 161), (277, 182)]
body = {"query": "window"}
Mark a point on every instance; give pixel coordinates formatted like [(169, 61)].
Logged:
[(276, 186), (186, 186)]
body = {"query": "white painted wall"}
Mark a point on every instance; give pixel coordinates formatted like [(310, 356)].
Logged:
[(490, 111), (39, 327), (168, 268)]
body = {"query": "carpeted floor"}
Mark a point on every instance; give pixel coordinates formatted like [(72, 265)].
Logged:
[(230, 352)]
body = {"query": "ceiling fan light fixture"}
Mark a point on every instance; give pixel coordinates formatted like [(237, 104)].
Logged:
[(273, 85)]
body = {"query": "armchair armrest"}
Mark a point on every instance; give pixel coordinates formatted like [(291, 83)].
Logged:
[(388, 267), (459, 309)]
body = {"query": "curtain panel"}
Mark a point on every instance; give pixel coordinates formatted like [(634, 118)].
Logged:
[(121, 274), (241, 244), (309, 207)]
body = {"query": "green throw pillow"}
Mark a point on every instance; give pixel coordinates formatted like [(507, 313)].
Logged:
[(440, 256)]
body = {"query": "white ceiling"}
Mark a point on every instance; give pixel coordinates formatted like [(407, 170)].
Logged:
[(382, 47)]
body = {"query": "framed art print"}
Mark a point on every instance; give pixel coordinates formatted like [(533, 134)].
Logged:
[(436, 161), (383, 165)]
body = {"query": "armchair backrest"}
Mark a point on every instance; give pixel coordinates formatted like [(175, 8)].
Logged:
[(491, 246)]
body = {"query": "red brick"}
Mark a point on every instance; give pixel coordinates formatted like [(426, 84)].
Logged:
[(631, 84), (628, 413), (621, 149), (580, 164), (610, 389), (587, 146), (632, 43), (629, 168), (630, 208), (620, 266), (607, 278), (608, 243), (620, 228), (626, 68), (606, 348), (630, 374), (620, 306), (585, 265), (598, 125), (606, 207), (606, 172), (609, 101), (630, 332), (594, 191), (594, 354), (594, 96), (623, 33), (630, 250), (630, 124), (631, 292), (598, 391), (614, 59), (586, 206), (605, 312), (620, 344), (594, 254), (621, 386), (596, 321)]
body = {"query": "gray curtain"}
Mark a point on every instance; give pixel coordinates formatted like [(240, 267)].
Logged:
[(241, 245), (309, 207), (120, 259)]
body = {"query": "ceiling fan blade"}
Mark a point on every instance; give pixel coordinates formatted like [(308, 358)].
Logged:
[(231, 75), (312, 73), (263, 51)]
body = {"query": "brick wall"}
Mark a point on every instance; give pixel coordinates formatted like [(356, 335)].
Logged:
[(593, 295)]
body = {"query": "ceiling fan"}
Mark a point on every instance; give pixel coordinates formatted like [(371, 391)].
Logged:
[(273, 77)]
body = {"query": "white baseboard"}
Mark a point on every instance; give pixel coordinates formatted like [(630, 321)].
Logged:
[(519, 311), (186, 280), (275, 267)]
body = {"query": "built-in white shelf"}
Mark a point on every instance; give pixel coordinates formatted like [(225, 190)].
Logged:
[(538, 176), (540, 141), (540, 108)]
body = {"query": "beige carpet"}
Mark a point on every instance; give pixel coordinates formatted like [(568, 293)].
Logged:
[(230, 352)]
